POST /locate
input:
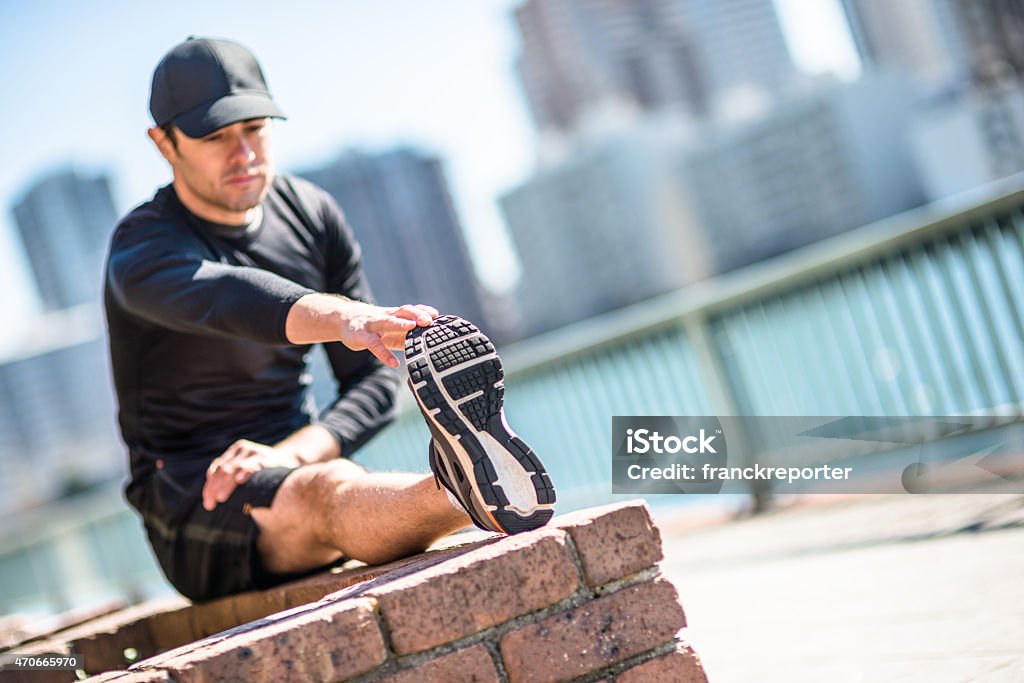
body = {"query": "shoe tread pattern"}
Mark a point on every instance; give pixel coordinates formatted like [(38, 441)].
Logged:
[(483, 412), (463, 351), (484, 375)]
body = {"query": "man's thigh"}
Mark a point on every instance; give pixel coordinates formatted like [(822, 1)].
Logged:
[(210, 553), (291, 530)]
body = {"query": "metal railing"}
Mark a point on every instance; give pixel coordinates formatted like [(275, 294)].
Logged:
[(918, 314)]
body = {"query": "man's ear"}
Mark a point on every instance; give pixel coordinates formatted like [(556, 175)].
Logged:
[(163, 143)]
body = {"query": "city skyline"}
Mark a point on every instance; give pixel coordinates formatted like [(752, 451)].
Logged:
[(456, 97)]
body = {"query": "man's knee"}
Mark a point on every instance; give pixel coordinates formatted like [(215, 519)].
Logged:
[(293, 536)]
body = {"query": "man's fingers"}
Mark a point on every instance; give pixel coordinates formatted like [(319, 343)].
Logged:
[(423, 315), (391, 330), (401, 317), (231, 454), (403, 323), (233, 467), (224, 491), (247, 468), (210, 497), (222, 476), (376, 346), (220, 486)]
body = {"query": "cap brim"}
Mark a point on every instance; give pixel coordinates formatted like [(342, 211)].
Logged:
[(202, 120)]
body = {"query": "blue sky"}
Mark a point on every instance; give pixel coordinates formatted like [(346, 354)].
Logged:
[(75, 79)]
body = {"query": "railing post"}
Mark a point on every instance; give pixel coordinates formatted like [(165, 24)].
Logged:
[(723, 395)]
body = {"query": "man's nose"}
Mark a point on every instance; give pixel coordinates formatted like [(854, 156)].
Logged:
[(243, 151)]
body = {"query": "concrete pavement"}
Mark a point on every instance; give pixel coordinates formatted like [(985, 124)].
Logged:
[(908, 589)]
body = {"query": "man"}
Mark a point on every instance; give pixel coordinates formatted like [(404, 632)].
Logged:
[(215, 290)]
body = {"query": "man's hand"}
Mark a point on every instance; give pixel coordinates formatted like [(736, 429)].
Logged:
[(235, 465), (326, 317), (380, 329)]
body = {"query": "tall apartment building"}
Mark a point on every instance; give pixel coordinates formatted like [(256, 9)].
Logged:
[(65, 220), (58, 421), (401, 212), (743, 50), (919, 37), (941, 42), (580, 57), (833, 159), (993, 31), (970, 140), (608, 227), (970, 55)]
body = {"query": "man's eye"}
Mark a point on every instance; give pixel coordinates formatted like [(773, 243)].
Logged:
[(212, 138)]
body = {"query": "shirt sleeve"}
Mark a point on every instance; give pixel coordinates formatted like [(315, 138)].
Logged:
[(367, 389), (161, 275)]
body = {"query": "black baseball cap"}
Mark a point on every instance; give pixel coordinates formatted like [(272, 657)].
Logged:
[(204, 84)]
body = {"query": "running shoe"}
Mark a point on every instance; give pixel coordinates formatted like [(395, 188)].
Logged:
[(456, 376)]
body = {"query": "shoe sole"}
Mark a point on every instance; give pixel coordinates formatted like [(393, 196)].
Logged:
[(457, 379)]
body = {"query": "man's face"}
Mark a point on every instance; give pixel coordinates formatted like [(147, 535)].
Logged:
[(227, 172)]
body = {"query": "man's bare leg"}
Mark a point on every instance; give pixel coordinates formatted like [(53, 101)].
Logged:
[(328, 510)]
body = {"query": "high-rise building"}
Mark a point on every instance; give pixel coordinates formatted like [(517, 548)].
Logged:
[(65, 220), (607, 227), (970, 140), (743, 51), (941, 42), (398, 205), (969, 54), (582, 57), (58, 423), (923, 38), (993, 32), (833, 159)]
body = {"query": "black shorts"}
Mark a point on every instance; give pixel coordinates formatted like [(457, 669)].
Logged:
[(209, 554)]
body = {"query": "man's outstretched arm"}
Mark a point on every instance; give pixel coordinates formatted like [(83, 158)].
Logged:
[(318, 318), (163, 277)]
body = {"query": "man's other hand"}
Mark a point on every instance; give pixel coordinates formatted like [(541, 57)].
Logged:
[(235, 465)]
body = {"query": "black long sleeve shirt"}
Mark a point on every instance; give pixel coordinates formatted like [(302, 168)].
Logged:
[(196, 316)]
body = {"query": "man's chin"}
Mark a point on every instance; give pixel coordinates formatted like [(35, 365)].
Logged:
[(243, 198)]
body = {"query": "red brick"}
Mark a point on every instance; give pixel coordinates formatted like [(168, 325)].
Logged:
[(132, 677), (472, 665), (16, 633), (330, 642), (258, 604), (38, 675), (679, 666), (64, 676), (105, 651), (209, 618), (594, 635), (46, 647), (313, 588), (613, 541), (487, 586), (104, 639), (171, 629)]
